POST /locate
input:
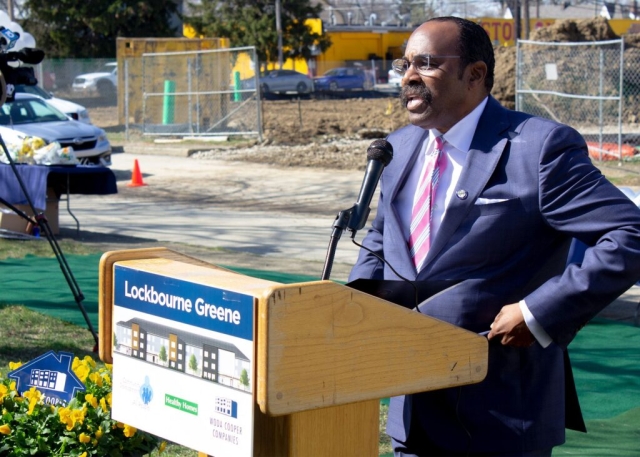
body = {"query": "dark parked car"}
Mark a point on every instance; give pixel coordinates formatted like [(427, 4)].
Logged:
[(281, 82), (343, 78)]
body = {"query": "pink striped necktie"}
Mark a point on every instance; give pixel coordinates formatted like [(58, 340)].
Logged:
[(420, 230)]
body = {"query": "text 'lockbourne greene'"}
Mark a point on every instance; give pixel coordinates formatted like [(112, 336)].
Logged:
[(202, 308)]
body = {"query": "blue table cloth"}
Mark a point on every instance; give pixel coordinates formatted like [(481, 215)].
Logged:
[(76, 179)]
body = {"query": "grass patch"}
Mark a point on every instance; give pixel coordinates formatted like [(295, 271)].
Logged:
[(26, 335), (384, 442), (17, 249), (627, 180)]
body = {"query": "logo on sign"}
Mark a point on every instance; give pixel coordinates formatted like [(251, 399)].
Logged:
[(146, 391), (51, 374), (226, 406)]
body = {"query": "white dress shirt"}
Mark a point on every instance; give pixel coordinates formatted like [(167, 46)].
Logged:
[(456, 146), (457, 142)]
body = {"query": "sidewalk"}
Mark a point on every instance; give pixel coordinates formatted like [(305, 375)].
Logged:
[(277, 215)]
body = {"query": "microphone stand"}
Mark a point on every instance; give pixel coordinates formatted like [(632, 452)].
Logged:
[(339, 225), (45, 229)]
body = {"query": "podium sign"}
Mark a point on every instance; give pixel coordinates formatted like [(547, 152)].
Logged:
[(312, 359), (183, 360)]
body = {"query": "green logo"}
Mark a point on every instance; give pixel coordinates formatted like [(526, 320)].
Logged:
[(182, 405)]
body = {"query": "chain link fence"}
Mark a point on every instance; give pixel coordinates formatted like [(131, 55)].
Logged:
[(592, 86), (582, 85), (182, 94), (58, 75), (197, 93)]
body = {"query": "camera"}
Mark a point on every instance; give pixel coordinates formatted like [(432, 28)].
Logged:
[(11, 75)]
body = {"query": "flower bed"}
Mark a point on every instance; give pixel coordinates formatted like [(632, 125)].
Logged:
[(83, 427)]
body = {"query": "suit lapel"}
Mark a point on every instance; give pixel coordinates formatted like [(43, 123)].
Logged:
[(486, 150), (412, 146)]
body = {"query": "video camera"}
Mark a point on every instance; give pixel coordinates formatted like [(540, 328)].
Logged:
[(12, 75)]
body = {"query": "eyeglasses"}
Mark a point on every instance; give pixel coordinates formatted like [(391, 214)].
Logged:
[(422, 64)]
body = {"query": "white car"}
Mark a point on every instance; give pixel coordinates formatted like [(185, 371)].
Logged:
[(393, 78), (32, 116), (71, 109), (104, 82)]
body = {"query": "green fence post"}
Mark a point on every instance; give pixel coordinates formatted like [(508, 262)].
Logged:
[(237, 96), (168, 106)]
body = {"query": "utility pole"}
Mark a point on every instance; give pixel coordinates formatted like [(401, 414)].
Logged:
[(516, 19), (279, 30), (527, 31), (10, 9)]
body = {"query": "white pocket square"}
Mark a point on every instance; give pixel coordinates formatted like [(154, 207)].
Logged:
[(489, 201)]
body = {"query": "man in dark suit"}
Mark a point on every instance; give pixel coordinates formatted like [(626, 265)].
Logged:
[(513, 191)]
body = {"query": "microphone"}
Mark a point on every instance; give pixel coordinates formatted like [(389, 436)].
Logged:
[(379, 154)]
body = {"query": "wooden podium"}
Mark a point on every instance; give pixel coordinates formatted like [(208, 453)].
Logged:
[(325, 355)]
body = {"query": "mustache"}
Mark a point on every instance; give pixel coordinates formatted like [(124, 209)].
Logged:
[(415, 90)]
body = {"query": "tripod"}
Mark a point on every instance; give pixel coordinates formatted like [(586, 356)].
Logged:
[(42, 223)]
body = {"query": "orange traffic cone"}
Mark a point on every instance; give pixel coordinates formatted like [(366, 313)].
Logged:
[(136, 176)]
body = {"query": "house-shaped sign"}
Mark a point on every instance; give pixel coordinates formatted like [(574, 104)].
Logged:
[(51, 374)]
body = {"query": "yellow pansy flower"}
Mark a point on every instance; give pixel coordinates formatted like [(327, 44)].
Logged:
[(5, 429), (84, 438), (64, 412), (32, 405), (84, 454), (96, 378), (4, 391), (65, 417), (78, 415), (129, 431), (162, 447), (99, 433), (92, 400), (14, 365), (33, 393), (82, 371), (103, 405), (89, 361)]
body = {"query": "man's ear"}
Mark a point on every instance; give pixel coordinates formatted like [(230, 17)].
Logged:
[(477, 74)]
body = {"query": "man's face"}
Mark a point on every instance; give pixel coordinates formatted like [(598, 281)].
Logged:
[(439, 97)]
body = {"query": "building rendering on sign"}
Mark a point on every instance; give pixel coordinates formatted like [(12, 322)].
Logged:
[(207, 358)]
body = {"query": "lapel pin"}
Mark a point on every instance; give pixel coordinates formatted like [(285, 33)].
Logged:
[(462, 194)]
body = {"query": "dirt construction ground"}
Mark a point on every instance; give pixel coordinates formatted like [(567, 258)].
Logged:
[(312, 132), (325, 133)]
